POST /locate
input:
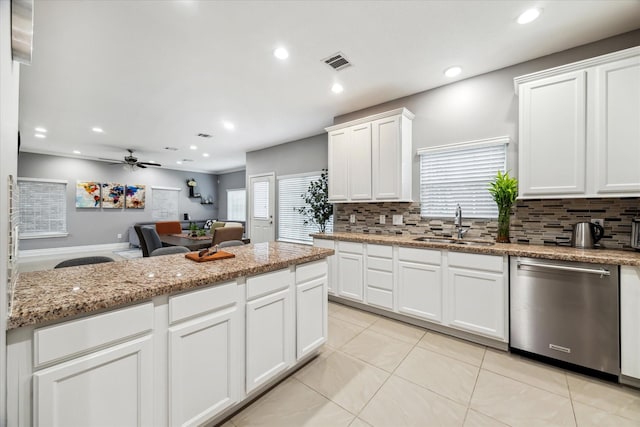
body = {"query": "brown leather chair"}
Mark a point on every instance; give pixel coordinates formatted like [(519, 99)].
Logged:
[(223, 234), (168, 227)]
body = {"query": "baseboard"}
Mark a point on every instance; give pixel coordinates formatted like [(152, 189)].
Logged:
[(48, 252)]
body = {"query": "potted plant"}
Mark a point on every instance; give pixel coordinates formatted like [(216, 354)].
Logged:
[(504, 190), (319, 210), (193, 228)]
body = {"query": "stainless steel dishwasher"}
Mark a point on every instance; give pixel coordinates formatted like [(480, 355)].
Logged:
[(567, 311)]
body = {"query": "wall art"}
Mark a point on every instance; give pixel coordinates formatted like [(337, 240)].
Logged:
[(87, 194), (112, 195), (135, 196)]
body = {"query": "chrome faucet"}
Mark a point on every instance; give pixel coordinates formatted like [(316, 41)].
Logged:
[(458, 223)]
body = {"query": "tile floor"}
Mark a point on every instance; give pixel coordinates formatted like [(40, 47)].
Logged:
[(378, 372)]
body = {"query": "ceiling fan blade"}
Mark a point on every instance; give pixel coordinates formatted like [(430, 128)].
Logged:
[(140, 165), (149, 164)]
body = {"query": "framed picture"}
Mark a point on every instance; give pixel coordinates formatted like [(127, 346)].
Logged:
[(112, 195), (135, 196), (87, 194)]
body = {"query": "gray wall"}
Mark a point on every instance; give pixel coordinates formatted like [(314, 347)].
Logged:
[(481, 107), (303, 155), (228, 181), (101, 226)]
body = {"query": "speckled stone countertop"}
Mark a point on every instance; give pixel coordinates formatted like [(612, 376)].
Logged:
[(44, 296), (597, 256)]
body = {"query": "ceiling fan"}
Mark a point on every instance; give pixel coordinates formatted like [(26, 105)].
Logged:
[(132, 161)]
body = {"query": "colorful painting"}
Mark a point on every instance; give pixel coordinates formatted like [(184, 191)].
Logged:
[(87, 194), (135, 196), (112, 195)]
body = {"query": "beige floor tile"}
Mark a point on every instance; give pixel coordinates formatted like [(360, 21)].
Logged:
[(377, 349), (334, 308), (359, 423), (341, 332), (355, 316), (453, 347), (398, 330), (588, 416), (345, 380), (519, 404), (293, 404), (528, 371), (612, 398), (441, 374), (401, 403), (228, 424), (476, 419)]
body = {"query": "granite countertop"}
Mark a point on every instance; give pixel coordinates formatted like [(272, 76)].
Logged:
[(597, 256), (44, 296)]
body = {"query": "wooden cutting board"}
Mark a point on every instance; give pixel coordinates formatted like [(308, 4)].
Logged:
[(218, 255)]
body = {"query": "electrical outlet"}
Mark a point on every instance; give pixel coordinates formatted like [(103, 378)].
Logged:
[(119, 236), (397, 220), (383, 219), (598, 221), (352, 218)]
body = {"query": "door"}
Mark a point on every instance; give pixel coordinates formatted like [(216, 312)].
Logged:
[(204, 367), (350, 275), (311, 315), (553, 135), (420, 290), (360, 162), (262, 208), (387, 158), (112, 387), (338, 170)]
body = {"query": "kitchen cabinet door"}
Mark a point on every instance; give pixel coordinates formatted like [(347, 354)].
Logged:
[(387, 158), (270, 337), (311, 316), (420, 290), (617, 127), (351, 275), (204, 366), (629, 321), (552, 152), (360, 162), (338, 166), (477, 302), (112, 387), (379, 276)]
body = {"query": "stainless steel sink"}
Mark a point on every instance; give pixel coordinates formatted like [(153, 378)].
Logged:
[(434, 240), (472, 243)]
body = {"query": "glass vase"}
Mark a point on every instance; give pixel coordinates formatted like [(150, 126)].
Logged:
[(503, 225)]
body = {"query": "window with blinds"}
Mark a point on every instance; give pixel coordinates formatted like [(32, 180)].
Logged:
[(42, 208), (291, 227), (261, 200), (237, 204), (460, 174)]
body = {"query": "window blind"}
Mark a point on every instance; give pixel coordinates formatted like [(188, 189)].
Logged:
[(236, 204), (42, 208), (261, 200), (291, 225), (460, 175)]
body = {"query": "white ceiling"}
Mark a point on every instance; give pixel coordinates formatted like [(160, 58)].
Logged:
[(155, 73)]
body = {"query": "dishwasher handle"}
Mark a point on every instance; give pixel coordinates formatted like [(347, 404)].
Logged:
[(599, 271)]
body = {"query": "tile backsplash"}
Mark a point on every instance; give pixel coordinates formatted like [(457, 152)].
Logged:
[(533, 221)]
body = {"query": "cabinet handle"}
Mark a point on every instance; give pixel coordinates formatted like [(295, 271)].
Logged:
[(599, 271)]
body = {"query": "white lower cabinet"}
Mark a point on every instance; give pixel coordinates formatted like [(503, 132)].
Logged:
[(420, 283), (311, 307), (629, 321), (270, 327), (331, 261), (112, 387), (350, 270), (379, 276)]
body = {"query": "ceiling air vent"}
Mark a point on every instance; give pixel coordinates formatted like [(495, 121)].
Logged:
[(337, 61), (187, 160), (204, 135), (171, 148)]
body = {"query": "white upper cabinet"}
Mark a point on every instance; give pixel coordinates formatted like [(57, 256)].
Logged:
[(579, 128), (370, 158)]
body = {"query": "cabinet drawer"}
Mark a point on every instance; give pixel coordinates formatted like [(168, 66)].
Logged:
[(476, 261), (311, 270), (379, 264), (202, 301), (380, 279), (80, 336), (381, 251), (267, 283), (380, 298), (354, 248), (425, 256)]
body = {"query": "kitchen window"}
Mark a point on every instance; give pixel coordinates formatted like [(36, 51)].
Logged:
[(42, 208), (460, 174), (237, 204), (291, 227)]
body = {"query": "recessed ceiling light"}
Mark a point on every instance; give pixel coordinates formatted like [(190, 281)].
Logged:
[(228, 125), (528, 16), (97, 130), (41, 130), (178, 162), (40, 135), (281, 53), (193, 147), (205, 154), (76, 152), (337, 88), (452, 71)]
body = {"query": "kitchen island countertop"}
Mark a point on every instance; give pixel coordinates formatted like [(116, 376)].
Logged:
[(44, 296)]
